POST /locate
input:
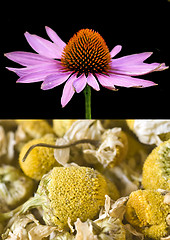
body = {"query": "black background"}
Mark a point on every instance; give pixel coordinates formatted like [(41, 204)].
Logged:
[(136, 25)]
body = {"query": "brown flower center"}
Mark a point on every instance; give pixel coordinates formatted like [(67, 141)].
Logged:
[(86, 52)]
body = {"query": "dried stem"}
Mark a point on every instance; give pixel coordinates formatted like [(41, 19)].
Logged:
[(96, 143)]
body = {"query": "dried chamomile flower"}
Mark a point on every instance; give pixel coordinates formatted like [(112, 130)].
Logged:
[(150, 131), (15, 187), (26, 227), (109, 225), (81, 129), (147, 213), (35, 128), (112, 150), (40, 160), (30, 129), (67, 193), (60, 127), (156, 169)]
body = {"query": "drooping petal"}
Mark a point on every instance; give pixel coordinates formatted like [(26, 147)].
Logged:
[(55, 38), (105, 82), (125, 81), (91, 80), (68, 91), (115, 50), (37, 76), (28, 58), (54, 80), (80, 83), (136, 70), (131, 59), (43, 46), (35, 68)]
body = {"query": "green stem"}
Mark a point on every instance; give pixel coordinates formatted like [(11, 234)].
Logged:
[(87, 94)]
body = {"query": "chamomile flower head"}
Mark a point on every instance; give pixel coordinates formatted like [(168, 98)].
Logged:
[(66, 194), (84, 60), (156, 168), (150, 131), (60, 127), (73, 192), (34, 128), (147, 212), (40, 160)]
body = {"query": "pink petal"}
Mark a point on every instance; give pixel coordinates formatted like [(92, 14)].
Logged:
[(68, 91), (36, 77), (28, 58), (54, 80), (35, 68), (55, 38), (115, 50), (91, 80), (131, 59), (162, 67), (127, 81), (43, 46), (106, 82), (136, 70), (80, 83)]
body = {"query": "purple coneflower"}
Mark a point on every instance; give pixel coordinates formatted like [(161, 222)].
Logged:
[(84, 61)]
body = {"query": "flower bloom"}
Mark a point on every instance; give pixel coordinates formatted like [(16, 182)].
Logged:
[(85, 59)]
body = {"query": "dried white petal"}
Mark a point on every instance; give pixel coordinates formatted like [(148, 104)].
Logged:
[(11, 143), (62, 155), (84, 231), (89, 129), (107, 151), (26, 227), (149, 131), (118, 208), (40, 231)]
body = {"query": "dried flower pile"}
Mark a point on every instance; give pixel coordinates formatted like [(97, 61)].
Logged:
[(85, 180)]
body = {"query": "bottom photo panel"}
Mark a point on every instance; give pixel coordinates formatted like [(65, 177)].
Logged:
[(106, 179)]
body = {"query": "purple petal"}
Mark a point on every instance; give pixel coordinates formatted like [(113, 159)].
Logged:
[(36, 68), (91, 80), (28, 58), (131, 59), (106, 82), (43, 46), (80, 83), (68, 91), (54, 80), (162, 67), (136, 70), (55, 38), (115, 50), (126, 81), (37, 76)]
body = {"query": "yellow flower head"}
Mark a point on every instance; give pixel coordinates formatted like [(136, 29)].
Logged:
[(40, 160), (72, 192), (35, 128), (156, 168), (60, 127), (147, 212)]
